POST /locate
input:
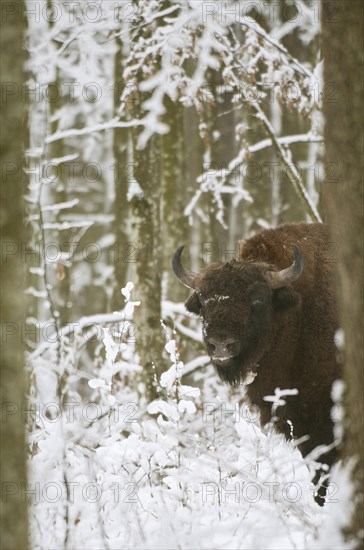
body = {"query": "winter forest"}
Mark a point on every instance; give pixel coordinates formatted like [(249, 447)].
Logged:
[(146, 125)]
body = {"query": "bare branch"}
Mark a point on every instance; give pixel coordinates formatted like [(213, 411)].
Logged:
[(286, 140), (75, 132), (288, 166)]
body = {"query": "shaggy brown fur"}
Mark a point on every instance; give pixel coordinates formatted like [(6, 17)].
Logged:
[(285, 335)]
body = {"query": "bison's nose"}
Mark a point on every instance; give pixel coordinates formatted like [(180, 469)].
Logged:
[(222, 347)]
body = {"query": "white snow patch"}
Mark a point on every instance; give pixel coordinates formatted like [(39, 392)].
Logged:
[(134, 190), (339, 339)]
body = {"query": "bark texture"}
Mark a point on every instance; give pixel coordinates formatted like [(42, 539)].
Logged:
[(342, 24), (147, 227), (13, 455)]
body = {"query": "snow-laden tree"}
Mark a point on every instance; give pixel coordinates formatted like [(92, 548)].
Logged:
[(107, 76)]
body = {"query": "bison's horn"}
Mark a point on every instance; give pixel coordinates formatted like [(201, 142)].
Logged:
[(291, 274), (188, 278)]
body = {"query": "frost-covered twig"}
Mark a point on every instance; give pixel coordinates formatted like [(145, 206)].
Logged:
[(285, 140), (75, 132), (250, 23), (41, 225), (282, 154), (288, 166), (236, 162), (55, 317), (81, 324)]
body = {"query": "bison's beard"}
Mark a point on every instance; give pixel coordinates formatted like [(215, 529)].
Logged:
[(234, 372), (243, 367)]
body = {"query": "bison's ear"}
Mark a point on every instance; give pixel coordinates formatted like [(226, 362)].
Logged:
[(193, 304), (284, 298)]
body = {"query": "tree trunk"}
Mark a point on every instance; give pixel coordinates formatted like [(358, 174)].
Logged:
[(121, 178), (13, 450), (61, 290), (342, 24), (176, 190), (147, 226)]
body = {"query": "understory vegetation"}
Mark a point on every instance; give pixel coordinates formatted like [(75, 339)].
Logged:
[(190, 469)]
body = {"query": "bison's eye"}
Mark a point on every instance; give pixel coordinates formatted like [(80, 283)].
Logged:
[(193, 304)]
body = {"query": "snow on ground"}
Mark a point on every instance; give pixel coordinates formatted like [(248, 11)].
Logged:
[(193, 469)]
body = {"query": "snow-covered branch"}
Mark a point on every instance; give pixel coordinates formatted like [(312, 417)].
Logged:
[(77, 132), (288, 166), (285, 140)]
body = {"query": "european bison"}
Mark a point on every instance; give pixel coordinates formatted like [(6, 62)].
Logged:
[(269, 319)]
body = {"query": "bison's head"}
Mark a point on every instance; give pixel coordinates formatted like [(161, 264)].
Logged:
[(239, 303)]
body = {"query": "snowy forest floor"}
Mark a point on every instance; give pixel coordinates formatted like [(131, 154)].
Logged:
[(191, 469)]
